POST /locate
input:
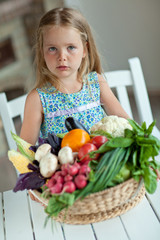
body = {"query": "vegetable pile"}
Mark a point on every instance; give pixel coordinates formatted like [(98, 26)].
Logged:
[(68, 167)]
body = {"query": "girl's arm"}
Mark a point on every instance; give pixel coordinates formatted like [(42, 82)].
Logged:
[(33, 117), (110, 103)]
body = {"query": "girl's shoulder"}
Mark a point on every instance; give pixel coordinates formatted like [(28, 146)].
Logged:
[(33, 94), (46, 89), (33, 100), (94, 77)]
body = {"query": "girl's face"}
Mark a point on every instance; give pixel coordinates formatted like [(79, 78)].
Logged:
[(63, 51)]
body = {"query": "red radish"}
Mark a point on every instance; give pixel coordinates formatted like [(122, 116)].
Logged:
[(77, 164), (68, 178), (51, 183), (73, 170), (60, 179), (56, 174), (99, 140), (69, 187), (57, 188), (85, 169), (84, 151), (64, 167), (64, 172), (80, 181)]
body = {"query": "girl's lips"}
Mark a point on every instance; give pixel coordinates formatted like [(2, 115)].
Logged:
[(62, 67)]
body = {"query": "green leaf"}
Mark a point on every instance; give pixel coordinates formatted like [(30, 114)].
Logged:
[(134, 158), (157, 141), (137, 177), (138, 173), (117, 142), (137, 128), (145, 141), (120, 142), (150, 180), (66, 198), (91, 176), (150, 128), (128, 133), (144, 127), (101, 132), (58, 202)]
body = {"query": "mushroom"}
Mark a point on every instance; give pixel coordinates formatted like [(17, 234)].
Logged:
[(48, 165), (65, 155), (42, 151)]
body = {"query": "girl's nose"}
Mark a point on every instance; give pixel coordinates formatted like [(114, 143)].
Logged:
[(62, 56)]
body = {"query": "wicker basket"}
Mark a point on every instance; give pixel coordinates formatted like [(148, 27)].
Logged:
[(102, 205)]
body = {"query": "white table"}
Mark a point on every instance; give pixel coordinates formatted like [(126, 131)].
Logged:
[(22, 218)]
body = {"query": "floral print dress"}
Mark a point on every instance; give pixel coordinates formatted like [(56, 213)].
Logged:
[(84, 106)]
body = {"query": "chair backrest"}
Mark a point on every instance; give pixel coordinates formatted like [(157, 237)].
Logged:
[(8, 111), (120, 80)]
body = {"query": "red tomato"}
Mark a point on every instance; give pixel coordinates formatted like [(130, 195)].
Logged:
[(99, 140), (84, 150)]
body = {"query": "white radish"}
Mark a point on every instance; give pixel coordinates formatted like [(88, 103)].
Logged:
[(48, 165), (42, 151), (65, 155)]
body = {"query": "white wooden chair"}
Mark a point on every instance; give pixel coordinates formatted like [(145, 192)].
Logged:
[(8, 111), (119, 80)]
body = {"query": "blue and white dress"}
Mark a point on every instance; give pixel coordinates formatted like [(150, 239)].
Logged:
[(84, 106)]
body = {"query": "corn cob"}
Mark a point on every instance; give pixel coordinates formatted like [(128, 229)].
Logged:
[(23, 147), (19, 161)]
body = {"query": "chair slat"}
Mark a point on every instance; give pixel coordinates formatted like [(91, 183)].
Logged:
[(140, 91), (124, 99), (9, 110), (16, 106), (118, 78)]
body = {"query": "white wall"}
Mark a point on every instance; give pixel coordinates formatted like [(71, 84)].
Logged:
[(125, 29)]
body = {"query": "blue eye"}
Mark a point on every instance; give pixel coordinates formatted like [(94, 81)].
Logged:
[(71, 47), (52, 49)]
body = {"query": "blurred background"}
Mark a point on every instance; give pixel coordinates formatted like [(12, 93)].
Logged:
[(122, 29)]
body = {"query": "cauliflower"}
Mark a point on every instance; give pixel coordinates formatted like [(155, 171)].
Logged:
[(113, 125)]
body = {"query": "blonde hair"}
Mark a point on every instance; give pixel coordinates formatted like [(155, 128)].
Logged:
[(66, 17)]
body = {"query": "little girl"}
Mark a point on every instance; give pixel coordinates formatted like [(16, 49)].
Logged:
[(69, 80)]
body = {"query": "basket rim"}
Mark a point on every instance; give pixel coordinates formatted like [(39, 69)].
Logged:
[(44, 201)]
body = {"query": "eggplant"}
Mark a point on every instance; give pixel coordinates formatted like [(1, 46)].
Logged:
[(72, 123)]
